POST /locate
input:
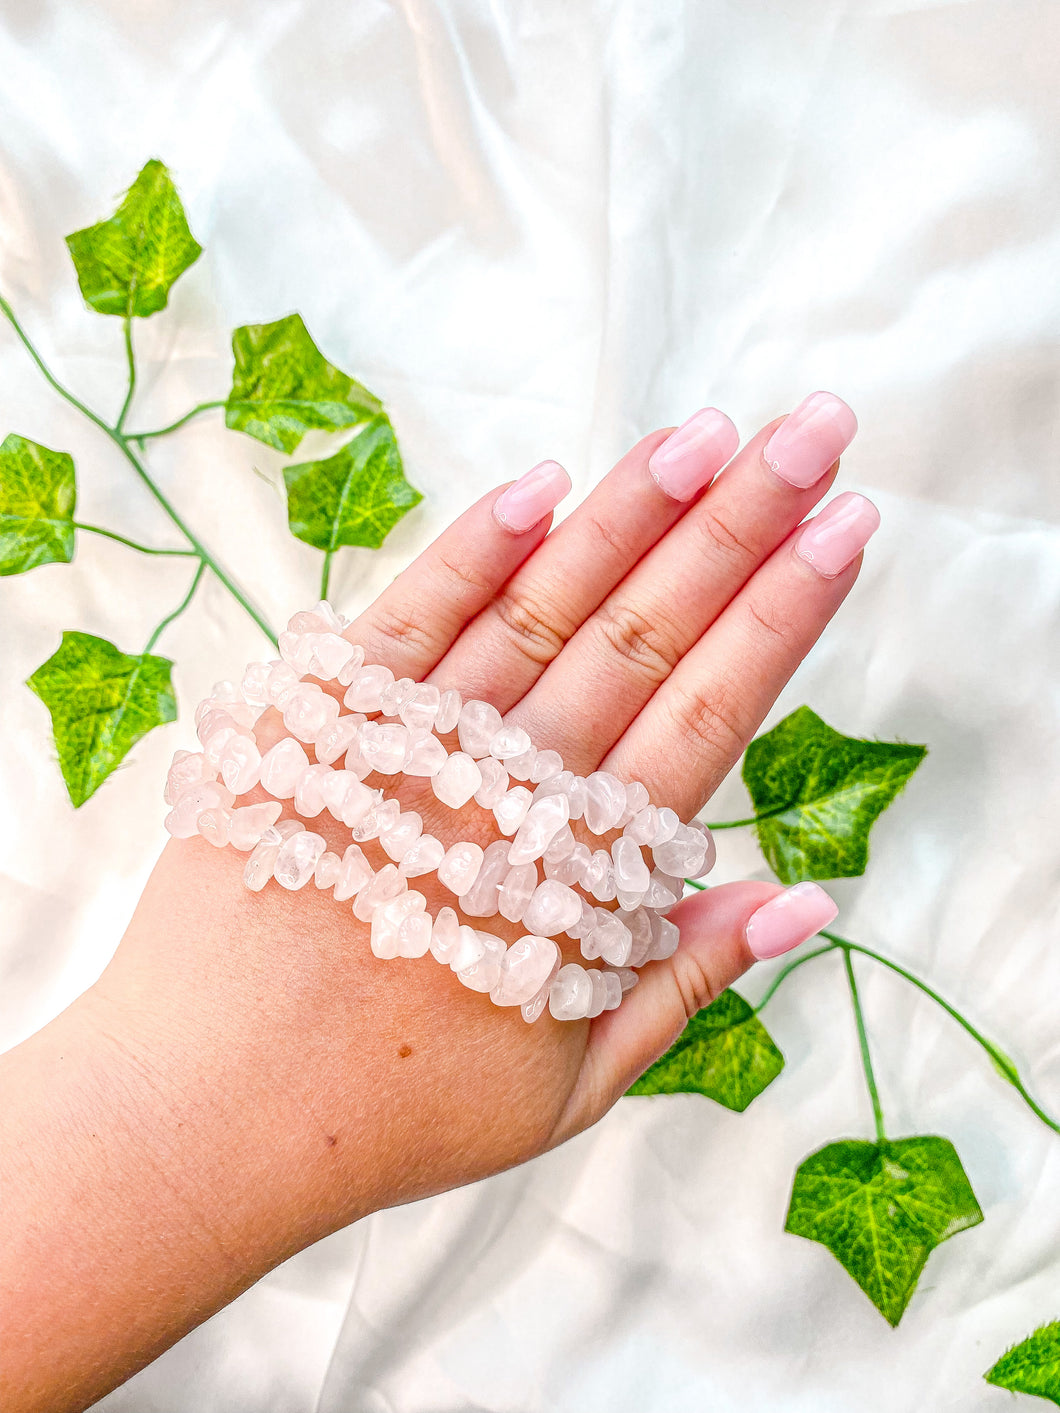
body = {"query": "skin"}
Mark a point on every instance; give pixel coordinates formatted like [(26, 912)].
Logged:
[(246, 1077)]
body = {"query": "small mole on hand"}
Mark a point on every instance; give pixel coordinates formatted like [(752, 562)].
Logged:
[(332, 1140), (404, 1051)]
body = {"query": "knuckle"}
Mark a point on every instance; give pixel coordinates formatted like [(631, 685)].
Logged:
[(407, 628), (609, 537), (723, 537), (694, 985), (464, 577), (646, 643), (768, 622), (708, 722), (533, 625)]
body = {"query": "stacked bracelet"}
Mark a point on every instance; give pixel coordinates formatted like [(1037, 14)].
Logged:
[(394, 727)]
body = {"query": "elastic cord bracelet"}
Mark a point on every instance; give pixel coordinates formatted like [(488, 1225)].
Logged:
[(394, 727)]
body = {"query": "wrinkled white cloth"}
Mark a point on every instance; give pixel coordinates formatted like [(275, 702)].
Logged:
[(538, 230)]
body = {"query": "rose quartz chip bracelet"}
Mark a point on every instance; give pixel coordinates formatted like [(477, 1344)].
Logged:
[(393, 727)]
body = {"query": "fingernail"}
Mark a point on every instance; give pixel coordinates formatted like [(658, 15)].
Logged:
[(788, 919), (836, 536), (809, 439), (529, 499), (692, 456)]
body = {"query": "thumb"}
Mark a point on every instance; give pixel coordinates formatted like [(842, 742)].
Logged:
[(724, 930)]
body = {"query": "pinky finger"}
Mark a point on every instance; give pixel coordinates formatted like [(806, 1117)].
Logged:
[(724, 930)]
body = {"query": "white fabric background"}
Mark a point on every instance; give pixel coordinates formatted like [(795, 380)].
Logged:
[(543, 229)]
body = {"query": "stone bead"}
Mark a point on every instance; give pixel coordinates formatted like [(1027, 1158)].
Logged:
[(482, 898), (665, 937), (516, 890), (637, 798), (547, 764), (182, 820), (509, 741), (381, 816), (662, 891), (354, 872), (329, 654), (612, 990), (384, 746), (387, 918), (562, 845), (329, 867), (251, 821), (457, 780), (414, 935), (307, 710), (336, 737), (598, 877), (460, 866), (627, 979), (599, 997), (535, 1007), (297, 859), (350, 668), (216, 716), (331, 786), (605, 801), (585, 923), (494, 782), (477, 725), (354, 760), (667, 823), (384, 886), (364, 691), (281, 766), (240, 764), (571, 869), (332, 620), (444, 935), (420, 708), (521, 767), (253, 684), (215, 826), (282, 679), (448, 714), (557, 784), (188, 768), (571, 993), (484, 974), (525, 969), (263, 857), (641, 828), (639, 923), (394, 694), (543, 822), (553, 908), (426, 757), (686, 855), (308, 621), (512, 808), (631, 872), (213, 746), (470, 948), (423, 856), (400, 837), (610, 939)]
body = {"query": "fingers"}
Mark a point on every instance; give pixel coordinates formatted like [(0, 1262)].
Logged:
[(696, 726), (723, 931), (631, 644), (414, 621), (509, 645)]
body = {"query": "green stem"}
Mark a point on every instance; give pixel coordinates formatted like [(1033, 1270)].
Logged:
[(121, 539), (127, 321), (122, 443), (863, 1042), (325, 574), (742, 823), (164, 431), (785, 972), (1002, 1063), (178, 610)]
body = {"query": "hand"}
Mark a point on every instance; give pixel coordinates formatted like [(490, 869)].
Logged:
[(277, 1079)]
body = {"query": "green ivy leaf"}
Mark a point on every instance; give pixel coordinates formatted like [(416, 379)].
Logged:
[(102, 702), (283, 386), (826, 791), (127, 264), (355, 497), (1033, 1366), (37, 496), (881, 1209), (724, 1052)]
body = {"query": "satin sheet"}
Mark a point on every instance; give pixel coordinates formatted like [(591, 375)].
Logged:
[(543, 229)]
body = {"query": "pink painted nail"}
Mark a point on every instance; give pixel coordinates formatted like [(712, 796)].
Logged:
[(809, 439), (832, 539), (529, 499), (788, 919), (692, 456)]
